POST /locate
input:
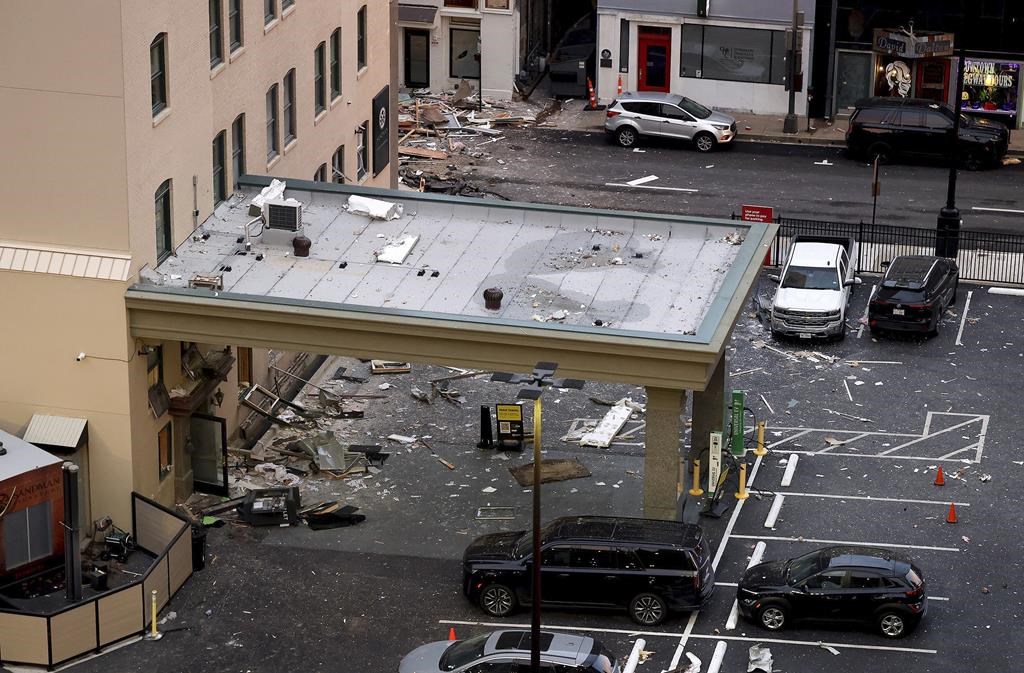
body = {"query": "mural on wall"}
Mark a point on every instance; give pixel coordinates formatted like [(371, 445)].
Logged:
[(897, 76)]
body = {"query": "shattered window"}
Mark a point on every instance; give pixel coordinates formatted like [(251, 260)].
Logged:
[(361, 153)]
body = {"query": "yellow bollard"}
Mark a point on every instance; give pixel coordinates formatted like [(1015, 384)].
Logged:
[(742, 493), (760, 450), (696, 490), (153, 634)]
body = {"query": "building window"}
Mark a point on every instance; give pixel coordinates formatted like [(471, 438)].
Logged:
[(464, 53), (269, 11), (244, 367), (28, 535), (361, 38), (288, 106), (163, 442), (338, 165), (158, 72), (155, 365), (468, 4), (235, 36), (733, 54), (336, 63), (319, 93), (219, 183), (362, 156), (162, 201), (237, 148), (321, 174), (272, 138), (285, 4), (216, 37)]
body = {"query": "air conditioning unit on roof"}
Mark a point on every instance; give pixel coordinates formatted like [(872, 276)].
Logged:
[(283, 215)]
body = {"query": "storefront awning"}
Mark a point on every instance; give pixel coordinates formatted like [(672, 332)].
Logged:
[(416, 14), (60, 432)]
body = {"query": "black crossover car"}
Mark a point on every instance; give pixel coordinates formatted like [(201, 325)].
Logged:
[(646, 566), (836, 584), (909, 127), (913, 294)]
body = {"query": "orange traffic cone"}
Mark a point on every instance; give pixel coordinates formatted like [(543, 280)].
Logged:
[(940, 479), (593, 96), (451, 634), (620, 86), (951, 517)]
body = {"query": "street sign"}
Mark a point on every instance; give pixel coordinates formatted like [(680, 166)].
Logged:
[(738, 401), (714, 461), (756, 213)]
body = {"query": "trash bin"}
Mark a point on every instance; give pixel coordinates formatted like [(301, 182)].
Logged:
[(198, 547)]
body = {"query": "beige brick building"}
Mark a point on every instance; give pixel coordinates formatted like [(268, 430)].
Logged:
[(125, 124)]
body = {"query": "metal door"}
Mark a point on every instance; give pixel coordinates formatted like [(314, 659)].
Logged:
[(417, 57), (854, 78), (208, 436), (655, 58)]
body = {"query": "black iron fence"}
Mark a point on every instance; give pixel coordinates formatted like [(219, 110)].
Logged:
[(983, 256)]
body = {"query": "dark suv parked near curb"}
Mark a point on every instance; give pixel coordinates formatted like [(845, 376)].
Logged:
[(836, 584), (888, 128), (647, 566), (914, 293)]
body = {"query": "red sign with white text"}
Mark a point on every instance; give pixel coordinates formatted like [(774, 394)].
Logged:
[(757, 213)]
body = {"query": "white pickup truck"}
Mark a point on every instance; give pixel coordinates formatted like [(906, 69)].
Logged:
[(814, 288)]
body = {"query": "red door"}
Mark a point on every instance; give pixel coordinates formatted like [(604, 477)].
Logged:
[(655, 58)]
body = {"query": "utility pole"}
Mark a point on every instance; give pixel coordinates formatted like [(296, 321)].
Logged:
[(947, 235), (790, 124), (830, 86)]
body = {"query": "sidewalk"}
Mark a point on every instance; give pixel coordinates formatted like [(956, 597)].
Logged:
[(750, 128)]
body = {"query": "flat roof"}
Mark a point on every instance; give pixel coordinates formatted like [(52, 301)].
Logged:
[(567, 274), (22, 457)]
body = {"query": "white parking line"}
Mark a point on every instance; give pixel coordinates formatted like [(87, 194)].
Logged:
[(667, 189), (699, 636), (930, 459), (963, 318), (998, 210), (842, 542), (929, 436), (944, 503), (735, 515), (681, 647)]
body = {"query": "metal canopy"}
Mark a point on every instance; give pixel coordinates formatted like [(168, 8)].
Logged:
[(615, 296), (55, 431)]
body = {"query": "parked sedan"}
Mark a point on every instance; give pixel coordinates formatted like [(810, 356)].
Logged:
[(836, 584), (914, 293), (508, 651), (667, 115)]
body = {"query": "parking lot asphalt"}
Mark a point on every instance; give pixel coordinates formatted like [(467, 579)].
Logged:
[(869, 420)]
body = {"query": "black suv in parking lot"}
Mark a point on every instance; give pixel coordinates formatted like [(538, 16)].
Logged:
[(836, 584), (647, 566), (892, 127), (914, 293)]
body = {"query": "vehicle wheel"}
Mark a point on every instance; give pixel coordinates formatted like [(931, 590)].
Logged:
[(704, 142), (934, 331), (626, 136), (882, 151), (973, 162), (892, 624), (497, 600), (773, 616), (648, 609)]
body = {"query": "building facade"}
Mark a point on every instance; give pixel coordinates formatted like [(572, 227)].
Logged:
[(728, 54), (125, 134)]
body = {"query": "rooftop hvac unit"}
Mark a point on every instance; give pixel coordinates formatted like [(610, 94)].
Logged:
[(283, 215)]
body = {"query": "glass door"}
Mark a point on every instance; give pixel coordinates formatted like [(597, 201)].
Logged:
[(208, 436), (417, 58), (854, 79)]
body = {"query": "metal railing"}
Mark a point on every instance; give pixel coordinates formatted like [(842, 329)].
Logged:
[(983, 256)]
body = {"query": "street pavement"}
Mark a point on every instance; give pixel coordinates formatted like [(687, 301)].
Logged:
[(571, 167), (357, 599)]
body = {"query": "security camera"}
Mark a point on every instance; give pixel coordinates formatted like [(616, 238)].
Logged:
[(79, 357)]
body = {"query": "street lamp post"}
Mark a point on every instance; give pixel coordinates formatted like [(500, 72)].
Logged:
[(541, 378), (789, 125), (947, 234)]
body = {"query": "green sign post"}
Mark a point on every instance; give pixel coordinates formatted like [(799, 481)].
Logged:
[(737, 423)]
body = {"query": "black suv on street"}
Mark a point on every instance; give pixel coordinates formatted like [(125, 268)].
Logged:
[(649, 567), (836, 584), (891, 127), (914, 293)]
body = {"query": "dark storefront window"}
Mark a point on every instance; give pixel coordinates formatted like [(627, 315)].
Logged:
[(733, 54)]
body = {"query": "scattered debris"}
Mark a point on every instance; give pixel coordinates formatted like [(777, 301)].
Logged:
[(609, 426), (828, 647), (374, 208), (760, 659), (389, 367), (551, 469)]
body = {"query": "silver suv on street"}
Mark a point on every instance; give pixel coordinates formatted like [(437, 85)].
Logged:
[(668, 115)]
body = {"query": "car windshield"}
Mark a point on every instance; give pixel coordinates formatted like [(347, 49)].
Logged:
[(695, 108), (463, 652), (811, 278), (803, 567), (524, 545)]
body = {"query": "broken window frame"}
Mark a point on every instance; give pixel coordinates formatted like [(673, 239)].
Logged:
[(338, 166), (165, 450), (362, 151)]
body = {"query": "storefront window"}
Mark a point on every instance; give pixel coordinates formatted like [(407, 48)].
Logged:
[(991, 87), (465, 53), (733, 54)]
